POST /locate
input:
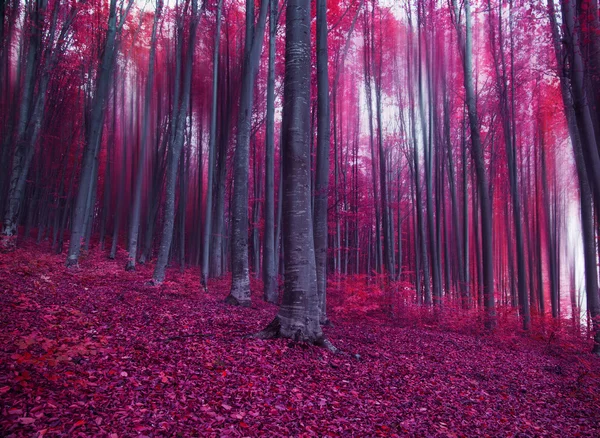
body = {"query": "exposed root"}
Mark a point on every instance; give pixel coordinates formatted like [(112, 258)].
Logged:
[(326, 322), (154, 282), (72, 263), (235, 302), (273, 331), (8, 243), (326, 343)]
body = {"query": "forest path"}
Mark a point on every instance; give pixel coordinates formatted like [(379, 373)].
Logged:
[(95, 351)]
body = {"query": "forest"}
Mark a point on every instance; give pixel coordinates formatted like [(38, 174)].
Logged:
[(299, 218)]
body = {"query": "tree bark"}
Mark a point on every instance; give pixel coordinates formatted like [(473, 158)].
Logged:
[(212, 137), (240, 282), (181, 105), (139, 179), (299, 314), (322, 167), (465, 43), (270, 292)]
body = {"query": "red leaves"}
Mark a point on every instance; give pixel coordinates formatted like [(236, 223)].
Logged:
[(77, 366)]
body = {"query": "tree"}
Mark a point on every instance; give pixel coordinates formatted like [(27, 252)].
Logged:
[(211, 151), (299, 314), (137, 194), (270, 292), (39, 64), (465, 45), (240, 285), (322, 165)]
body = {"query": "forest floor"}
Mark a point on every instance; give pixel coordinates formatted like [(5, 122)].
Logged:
[(96, 352)]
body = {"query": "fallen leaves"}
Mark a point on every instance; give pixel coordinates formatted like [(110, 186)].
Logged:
[(101, 354)]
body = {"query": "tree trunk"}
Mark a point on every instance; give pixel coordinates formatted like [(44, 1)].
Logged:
[(180, 106), (299, 314), (240, 282), (465, 43), (139, 178), (270, 292), (212, 137), (322, 167)]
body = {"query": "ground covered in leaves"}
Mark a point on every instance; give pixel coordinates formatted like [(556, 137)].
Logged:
[(97, 352)]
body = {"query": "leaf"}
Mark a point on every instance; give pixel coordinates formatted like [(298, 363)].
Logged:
[(26, 420)]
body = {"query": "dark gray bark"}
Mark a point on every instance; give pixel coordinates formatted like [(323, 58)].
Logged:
[(487, 280), (270, 292), (216, 267), (31, 110), (94, 131), (240, 284), (572, 38), (299, 314), (134, 228), (211, 152), (180, 106), (322, 165)]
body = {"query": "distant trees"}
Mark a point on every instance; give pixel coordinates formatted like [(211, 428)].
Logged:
[(93, 138), (45, 45), (179, 112)]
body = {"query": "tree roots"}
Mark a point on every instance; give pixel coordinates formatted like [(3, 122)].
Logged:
[(235, 302), (273, 331)]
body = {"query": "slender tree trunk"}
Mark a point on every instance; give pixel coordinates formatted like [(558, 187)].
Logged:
[(181, 104), (465, 43), (212, 137), (270, 292), (134, 228), (240, 282), (322, 167)]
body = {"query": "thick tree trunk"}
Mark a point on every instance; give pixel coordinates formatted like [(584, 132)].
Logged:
[(299, 314)]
